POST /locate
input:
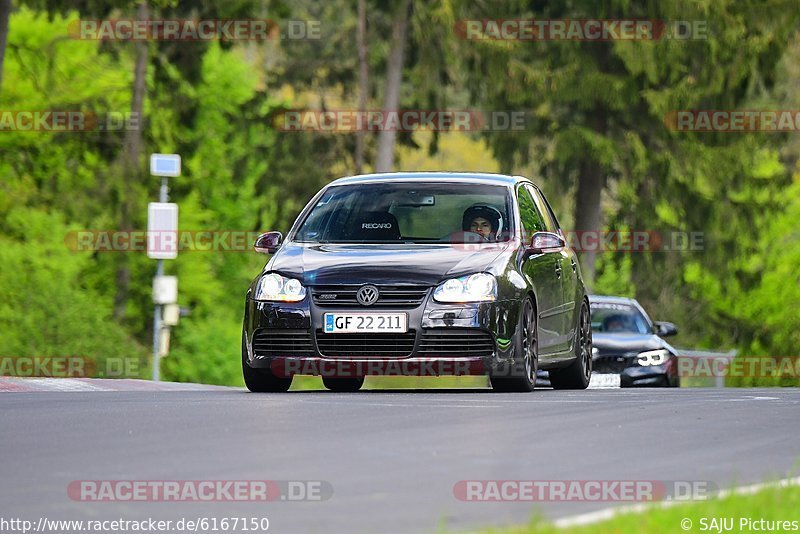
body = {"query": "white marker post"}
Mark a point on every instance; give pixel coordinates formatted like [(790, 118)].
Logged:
[(162, 243)]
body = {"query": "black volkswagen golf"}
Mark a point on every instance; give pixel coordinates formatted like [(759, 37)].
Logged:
[(419, 274)]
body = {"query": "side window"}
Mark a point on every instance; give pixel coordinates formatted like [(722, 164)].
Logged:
[(553, 215), (532, 220), (549, 221)]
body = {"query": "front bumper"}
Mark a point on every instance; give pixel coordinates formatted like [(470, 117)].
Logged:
[(634, 375), (654, 375), (463, 339)]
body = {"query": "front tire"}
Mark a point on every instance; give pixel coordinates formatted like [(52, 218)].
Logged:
[(526, 355), (262, 380), (577, 375), (343, 385)]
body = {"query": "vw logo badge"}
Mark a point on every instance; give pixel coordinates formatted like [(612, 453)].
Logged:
[(367, 295)]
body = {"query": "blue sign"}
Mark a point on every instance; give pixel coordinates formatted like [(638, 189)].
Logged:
[(165, 164)]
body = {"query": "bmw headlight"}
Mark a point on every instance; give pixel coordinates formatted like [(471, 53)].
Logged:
[(470, 288), (279, 288), (653, 357)]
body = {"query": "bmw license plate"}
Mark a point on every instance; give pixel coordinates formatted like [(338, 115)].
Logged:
[(365, 322), (604, 380)]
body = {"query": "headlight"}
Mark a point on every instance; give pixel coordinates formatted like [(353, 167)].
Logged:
[(471, 288), (276, 287), (653, 357)]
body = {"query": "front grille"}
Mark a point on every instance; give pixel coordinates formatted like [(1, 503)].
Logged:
[(456, 342), (352, 345), (282, 342), (390, 296), (610, 363)]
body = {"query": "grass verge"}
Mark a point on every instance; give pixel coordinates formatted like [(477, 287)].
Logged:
[(772, 509)]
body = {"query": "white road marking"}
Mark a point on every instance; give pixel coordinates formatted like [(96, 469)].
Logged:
[(63, 384), (10, 384)]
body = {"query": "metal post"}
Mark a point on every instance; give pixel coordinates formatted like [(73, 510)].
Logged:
[(163, 196), (157, 329)]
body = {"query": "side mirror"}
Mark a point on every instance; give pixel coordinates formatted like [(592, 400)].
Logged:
[(664, 329), (545, 243), (268, 243)]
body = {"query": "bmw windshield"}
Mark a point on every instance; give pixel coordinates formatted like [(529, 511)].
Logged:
[(613, 318), (409, 213)]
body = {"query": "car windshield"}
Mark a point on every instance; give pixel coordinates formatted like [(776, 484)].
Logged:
[(408, 213), (616, 318)]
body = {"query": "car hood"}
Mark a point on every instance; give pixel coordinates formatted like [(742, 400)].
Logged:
[(621, 343), (380, 264)]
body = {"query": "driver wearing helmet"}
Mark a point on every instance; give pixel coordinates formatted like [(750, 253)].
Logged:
[(483, 220)]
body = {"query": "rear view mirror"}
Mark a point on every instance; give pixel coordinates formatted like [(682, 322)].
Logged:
[(546, 242), (664, 329), (268, 243), (416, 200)]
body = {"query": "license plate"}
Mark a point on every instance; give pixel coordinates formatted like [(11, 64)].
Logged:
[(605, 380), (365, 322)]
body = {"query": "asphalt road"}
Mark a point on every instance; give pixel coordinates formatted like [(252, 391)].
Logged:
[(391, 458)]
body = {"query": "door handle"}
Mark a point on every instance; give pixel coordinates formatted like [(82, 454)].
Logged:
[(558, 271), (574, 266)]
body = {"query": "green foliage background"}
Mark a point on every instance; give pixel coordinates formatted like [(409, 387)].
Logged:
[(215, 103)]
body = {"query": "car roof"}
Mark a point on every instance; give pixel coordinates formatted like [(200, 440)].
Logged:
[(454, 177), (612, 299)]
